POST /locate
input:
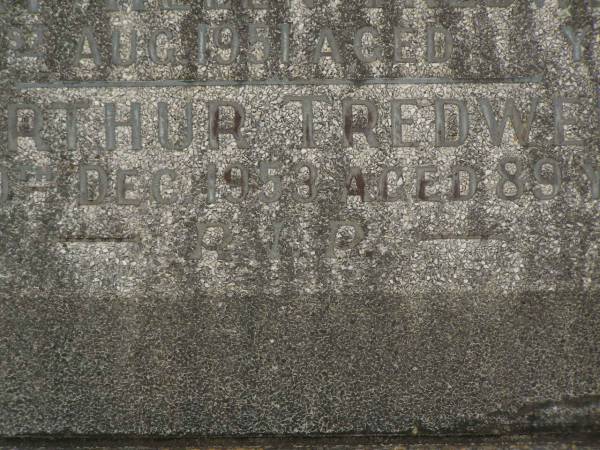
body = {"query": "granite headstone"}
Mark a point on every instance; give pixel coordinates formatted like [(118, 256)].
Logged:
[(299, 217)]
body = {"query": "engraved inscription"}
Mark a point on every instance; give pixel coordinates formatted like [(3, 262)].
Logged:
[(364, 120), (360, 117)]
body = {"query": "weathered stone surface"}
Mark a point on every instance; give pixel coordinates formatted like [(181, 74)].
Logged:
[(397, 267), (528, 442)]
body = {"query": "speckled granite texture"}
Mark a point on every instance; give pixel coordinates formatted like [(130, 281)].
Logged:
[(299, 218)]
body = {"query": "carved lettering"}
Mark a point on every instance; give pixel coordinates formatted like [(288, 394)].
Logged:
[(433, 55), (561, 122), (163, 128), (593, 176), (386, 194), (214, 123), (157, 186), (327, 40), (521, 125), (309, 184), (398, 122), (308, 128), (218, 244), (124, 187), (554, 180), (270, 179), (575, 38), (86, 197), (458, 193), (88, 38), (441, 133), (351, 127), (351, 228), (423, 182), (4, 185), (241, 182), (355, 184), (134, 123), (28, 129), (72, 111)]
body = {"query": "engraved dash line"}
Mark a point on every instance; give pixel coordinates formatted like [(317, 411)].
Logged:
[(101, 240), (107, 84), (462, 237)]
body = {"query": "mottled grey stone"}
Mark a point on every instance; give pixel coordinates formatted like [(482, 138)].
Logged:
[(523, 442), (155, 281)]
